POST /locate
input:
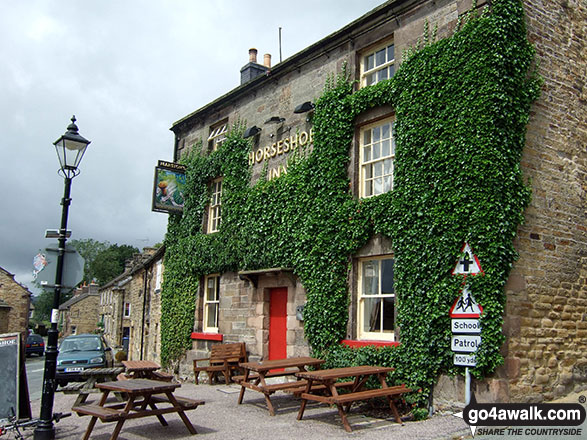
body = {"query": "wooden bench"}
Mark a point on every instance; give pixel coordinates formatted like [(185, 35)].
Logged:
[(185, 402), (224, 358), (105, 414), (369, 394)]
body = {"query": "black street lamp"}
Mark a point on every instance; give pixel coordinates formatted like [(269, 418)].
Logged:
[(70, 150)]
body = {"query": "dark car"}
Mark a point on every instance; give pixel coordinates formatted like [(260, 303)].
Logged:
[(80, 352), (35, 344)]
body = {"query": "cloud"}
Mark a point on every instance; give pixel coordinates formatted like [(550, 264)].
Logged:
[(127, 70)]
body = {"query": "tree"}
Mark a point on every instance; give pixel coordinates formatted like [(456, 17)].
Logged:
[(89, 249), (109, 263)]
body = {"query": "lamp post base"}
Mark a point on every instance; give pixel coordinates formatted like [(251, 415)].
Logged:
[(45, 430)]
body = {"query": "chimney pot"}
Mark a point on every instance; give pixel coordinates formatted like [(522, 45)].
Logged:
[(252, 55), (267, 60)]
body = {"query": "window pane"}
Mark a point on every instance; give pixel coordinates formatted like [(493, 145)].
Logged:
[(385, 148), (211, 290), (391, 71), (376, 151), (378, 186), (390, 53), (367, 154), (371, 79), (369, 62), (385, 129), (367, 137), (381, 75), (380, 57), (387, 183), (370, 278), (368, 188), (388, 314), (376, 134), (387, 276), (212, 315), (387, 167), (378, 169), (368, 171), (372, 314)]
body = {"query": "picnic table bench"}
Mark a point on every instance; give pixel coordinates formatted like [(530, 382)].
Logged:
[(93, 376), (142, 399), (224, 358), (329, 392), (144, 369), (256, 374)]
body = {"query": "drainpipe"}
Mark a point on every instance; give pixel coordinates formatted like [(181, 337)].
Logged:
[(144, 307)]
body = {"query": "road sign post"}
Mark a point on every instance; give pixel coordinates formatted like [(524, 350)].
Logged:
[(465, 313)]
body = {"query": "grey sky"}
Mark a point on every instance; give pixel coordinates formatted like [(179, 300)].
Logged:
[(127, 70)]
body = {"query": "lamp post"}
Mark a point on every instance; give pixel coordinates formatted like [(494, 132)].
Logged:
[(70, 150)]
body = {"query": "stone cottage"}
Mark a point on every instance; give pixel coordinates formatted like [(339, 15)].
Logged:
[(15, 301), (130, 306)]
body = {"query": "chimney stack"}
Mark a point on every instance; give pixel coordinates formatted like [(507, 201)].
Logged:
[(252, 55), (267, 60), (252, 69)]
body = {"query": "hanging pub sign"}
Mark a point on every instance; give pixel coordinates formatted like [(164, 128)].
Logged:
[(169, 187)]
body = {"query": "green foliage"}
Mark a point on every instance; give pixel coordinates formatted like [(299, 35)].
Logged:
[(109, 263), (103, 261), (462, 105), (89, 249)]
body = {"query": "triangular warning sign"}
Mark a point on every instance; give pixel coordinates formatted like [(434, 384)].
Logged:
[(468, 263), (465, 306)]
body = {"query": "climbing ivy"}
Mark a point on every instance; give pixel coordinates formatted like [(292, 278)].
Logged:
[(461, 107)]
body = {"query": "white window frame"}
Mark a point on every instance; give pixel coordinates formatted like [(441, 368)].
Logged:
[(377, 64), (211, 304), (214, 208), (376, 158), (362, 297), (217, 135), (127, 309)]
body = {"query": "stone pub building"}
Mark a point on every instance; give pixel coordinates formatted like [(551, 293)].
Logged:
[(545, 315)]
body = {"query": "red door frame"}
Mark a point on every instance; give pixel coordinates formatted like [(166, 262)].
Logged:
[(278, 323)]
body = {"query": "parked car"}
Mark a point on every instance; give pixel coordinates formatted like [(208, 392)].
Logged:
[(35, 344), (79, 352)]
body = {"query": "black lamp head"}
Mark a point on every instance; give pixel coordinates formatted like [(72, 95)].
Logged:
[(251, 131), (274, 120), (305, 107)]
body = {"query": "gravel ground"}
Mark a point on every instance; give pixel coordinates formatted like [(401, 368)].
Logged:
[(222, 418)]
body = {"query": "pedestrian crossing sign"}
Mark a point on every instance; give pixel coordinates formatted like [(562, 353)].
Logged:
[(465, 306), (467, 263)]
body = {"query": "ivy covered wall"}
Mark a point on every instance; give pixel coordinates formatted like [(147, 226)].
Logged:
[(462, 105)]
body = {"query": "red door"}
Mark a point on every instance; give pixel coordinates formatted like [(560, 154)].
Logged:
[(278, 323)]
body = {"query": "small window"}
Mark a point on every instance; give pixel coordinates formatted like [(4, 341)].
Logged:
[(158, 276), (376, 157), (214, 209), (127, 310), (211, 303), (217, 135), (378, 65), (376, 298)]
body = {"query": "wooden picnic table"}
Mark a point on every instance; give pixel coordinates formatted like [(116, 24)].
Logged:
[(140, 369), (256, 373), (322, 386), (93, 376), (144, 398)]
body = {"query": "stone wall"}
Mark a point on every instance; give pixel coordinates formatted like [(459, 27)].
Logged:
[(545, 321), (546, 314), (18, 298)]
